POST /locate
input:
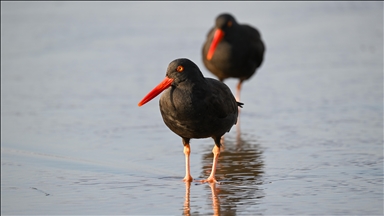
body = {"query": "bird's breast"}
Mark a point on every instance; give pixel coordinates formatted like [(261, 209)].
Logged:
[(182, 104), (184, 112)]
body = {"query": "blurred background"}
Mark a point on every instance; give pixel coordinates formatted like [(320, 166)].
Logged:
[(74, 141)]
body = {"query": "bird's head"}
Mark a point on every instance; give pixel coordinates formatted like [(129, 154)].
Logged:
[(179, 70), (224, 23), (182, 69)]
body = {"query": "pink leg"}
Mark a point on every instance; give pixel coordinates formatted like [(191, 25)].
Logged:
[(238, 100), (187, 152), (238, 90), (216, 153)]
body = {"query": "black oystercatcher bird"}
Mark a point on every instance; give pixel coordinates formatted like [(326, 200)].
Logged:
[(193, 106), (233, 50)]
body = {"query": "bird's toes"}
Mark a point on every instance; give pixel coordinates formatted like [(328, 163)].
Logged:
[(209, 180)]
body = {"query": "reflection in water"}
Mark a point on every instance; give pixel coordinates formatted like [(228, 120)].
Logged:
[(215, 199), (187, 202), (239, 172), (240, 160)]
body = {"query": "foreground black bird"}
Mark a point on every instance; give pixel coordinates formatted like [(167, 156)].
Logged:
[(193, 106), (233, 50)]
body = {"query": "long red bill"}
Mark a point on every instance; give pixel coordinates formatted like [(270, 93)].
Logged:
[(219, 34), (157, 90)]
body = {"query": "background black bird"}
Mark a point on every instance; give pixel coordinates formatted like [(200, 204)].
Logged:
[(233, 50)]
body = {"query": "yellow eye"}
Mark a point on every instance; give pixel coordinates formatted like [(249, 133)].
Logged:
[(229, 23), (180, 68)]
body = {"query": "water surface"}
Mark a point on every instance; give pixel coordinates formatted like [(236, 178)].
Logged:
[(74, 141)]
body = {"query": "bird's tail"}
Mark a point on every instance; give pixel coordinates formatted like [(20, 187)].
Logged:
[(240, 104)]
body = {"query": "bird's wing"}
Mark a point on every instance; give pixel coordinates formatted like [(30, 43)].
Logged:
[(257, 46), (223, 102)]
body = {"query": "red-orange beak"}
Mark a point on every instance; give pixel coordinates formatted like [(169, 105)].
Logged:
[(157, 90), (219, 34)]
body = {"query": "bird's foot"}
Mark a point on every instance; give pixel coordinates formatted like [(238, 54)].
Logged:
[(210, 180), (188, 178)]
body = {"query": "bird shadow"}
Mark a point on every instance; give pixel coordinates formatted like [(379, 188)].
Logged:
[(239, 172)]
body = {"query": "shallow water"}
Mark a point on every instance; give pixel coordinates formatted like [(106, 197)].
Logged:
[(74, 141)]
